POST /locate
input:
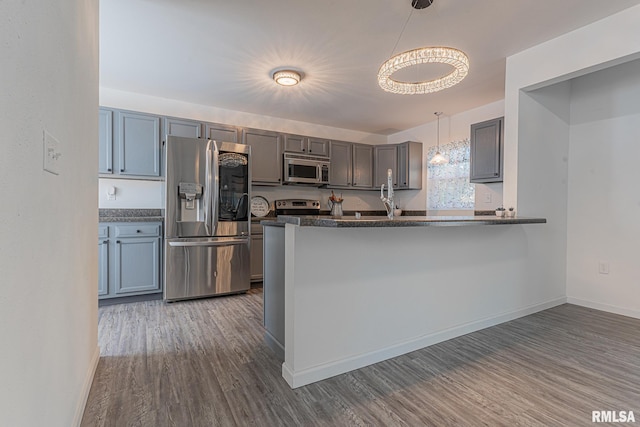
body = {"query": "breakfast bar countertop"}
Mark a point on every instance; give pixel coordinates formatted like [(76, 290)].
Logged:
[(401, 221)]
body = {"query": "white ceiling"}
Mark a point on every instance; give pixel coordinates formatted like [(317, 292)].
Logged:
[(222, 52)]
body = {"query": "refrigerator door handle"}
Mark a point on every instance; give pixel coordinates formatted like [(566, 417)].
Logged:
[(217, 242), (215, 186), (207, 193)]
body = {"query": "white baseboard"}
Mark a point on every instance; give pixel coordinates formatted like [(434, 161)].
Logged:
[(328, 370), (605, 307), (86, 387)]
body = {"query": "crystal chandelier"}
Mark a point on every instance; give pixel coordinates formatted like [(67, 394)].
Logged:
[(457, 59), (442, 55)]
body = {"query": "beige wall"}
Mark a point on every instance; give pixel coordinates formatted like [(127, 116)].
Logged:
[(48, 223)]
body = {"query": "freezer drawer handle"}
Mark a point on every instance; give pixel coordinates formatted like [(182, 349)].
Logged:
[(216, 243)]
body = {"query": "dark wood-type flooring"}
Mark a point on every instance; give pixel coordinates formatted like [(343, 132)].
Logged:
[(204, 363)]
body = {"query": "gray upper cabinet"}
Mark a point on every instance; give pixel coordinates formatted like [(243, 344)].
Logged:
[(385, 157), (222, 133), (340, 174), (306, 145), (295, 144), (405, 160), (486, 151), (184, 128), (318, 146), (410, 165), (362, 166), (105, 141), (138, 144), (266, 154), (351, 165)]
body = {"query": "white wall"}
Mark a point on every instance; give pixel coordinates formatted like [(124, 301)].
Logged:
[(604, 200), (48, 223), (604, 43), (452, 128), (131, 193), (538, 129)]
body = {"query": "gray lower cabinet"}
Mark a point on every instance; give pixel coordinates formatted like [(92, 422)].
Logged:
[(266, 154), (257, 253), (105, 141), (486, 151), (351, 165), (130, 256), (103, 260)]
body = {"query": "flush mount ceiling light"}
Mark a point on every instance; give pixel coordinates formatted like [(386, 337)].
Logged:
[(438, 159), (287, 77), (425, 55)]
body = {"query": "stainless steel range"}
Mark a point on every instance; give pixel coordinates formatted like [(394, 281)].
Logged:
[(297, 207)]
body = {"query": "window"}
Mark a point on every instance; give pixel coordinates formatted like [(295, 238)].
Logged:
[(448, 185)]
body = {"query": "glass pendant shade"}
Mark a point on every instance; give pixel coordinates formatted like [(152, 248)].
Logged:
[(438, 159)]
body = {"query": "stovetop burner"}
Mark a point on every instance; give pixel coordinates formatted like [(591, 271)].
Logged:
[(297, 207)]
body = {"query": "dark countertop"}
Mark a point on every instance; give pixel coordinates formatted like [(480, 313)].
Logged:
[(130, 215), (401, 221)]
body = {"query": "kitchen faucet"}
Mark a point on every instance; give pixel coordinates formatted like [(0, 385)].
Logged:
[(388, 201)]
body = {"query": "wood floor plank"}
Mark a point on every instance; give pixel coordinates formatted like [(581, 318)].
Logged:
[(204, 363)]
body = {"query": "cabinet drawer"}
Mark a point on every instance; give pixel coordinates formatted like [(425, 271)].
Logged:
[(138, 230), (256, 229), (103, 231)]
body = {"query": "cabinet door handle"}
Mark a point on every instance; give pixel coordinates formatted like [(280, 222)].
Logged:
[(104, 242), (118, 241), (121, 170), (138, 231), (109, 170)]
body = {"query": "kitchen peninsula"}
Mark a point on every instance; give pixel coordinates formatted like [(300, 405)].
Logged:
[(344, 293)]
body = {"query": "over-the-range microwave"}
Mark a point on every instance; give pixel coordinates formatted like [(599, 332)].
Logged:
[(305, 169)]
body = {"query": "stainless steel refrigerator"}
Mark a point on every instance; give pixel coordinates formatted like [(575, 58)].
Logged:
[(207, 218)]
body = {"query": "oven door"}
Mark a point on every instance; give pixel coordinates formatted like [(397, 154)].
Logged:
[(302, 171)]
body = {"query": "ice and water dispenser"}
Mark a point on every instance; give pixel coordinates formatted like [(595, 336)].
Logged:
[(191, 202)]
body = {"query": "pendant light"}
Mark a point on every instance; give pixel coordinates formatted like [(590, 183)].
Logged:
[(438, 159)]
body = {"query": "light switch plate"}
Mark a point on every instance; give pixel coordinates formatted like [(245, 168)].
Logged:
[(603, 267), (51, 154)]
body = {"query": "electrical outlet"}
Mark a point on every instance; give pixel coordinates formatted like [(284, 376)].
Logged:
[(603, 267), (487, 198), (51, 154)]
